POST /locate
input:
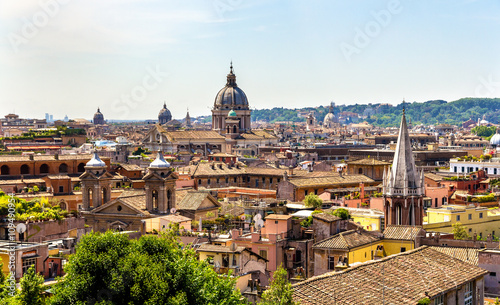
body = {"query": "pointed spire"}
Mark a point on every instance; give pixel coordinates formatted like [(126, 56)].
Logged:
[(164, 104), (98, 109), (231, 68), (404, 174)]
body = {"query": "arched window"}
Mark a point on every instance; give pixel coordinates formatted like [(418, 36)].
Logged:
[(89, 196), (81, 167), (170, 200), (4, 170), (62, 205), (155, 200), (234, 129), (360, 171), (25, 169), (63, 168), (104, 193), (44, 169)]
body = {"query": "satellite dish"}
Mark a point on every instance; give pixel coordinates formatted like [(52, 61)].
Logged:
[(173, 210), (259, 223), (233, 247)]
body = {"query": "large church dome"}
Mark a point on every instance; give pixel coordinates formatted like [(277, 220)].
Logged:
[(231, 96)]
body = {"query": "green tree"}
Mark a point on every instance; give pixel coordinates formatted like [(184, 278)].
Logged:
[(459, 231), (280, 292), (111, 269), (31, 288), (313, 201), (342, 213)]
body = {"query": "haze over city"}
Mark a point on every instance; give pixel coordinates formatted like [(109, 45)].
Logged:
[(70, 57)]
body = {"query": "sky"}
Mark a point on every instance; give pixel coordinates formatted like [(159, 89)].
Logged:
[(128, 57)]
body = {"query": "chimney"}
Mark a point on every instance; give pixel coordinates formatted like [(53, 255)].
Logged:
[(235, 233), (255, 237)]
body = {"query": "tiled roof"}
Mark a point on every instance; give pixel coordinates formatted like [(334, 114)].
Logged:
[(346, 240), (468, 255), (218, 249), (327, 217), (433, 176), (193, 200), (403, 278), (368, 161), (329, 181), (192, 134), (402, 232), (257, 135), (82, 157), (278, 217), (131, 167), (175, 218)]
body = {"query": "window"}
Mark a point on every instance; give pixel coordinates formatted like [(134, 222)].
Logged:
[(61, 189), (480, 215), (263, 253), (403, 249), (199, 181), (270, 180), (27, 263), (217, 180), (468, 294), (234, 179), (458, 217), (331, 262), (208, 181), (470, 230), (227, 180), (455, 169), (493, 274), (210, 259), (439, 300), (470, 216)]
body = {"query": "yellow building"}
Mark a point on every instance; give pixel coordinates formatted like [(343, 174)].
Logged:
[(481, 221), (356, 246), (370, 219)]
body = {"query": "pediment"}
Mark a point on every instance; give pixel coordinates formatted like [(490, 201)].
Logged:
[(117, 206)]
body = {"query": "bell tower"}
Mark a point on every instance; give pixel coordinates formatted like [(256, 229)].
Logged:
[(160, 186), (403, 184), (96, 184)]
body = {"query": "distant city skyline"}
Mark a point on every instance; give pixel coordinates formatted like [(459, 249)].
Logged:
[(129, 57)]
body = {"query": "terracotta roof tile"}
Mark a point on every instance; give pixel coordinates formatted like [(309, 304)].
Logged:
[(402, 232), (403, 278), (346, 240), (468, 255)]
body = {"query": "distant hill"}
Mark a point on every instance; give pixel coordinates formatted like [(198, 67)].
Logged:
[(385, 115)]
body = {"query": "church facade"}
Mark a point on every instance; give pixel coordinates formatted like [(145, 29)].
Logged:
[(127, 212)]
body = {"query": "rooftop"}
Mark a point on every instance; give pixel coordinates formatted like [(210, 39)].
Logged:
[(404, 278)]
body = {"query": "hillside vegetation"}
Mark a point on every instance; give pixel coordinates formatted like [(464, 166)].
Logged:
[(427, 113)]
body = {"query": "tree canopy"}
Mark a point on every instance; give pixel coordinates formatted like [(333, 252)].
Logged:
[(111, 269), (313, 201), (280, 291), (459, 231), (342, 213)]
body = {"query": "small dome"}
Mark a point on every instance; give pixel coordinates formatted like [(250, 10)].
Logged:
[(329, 118), (164, 115), (159, 162), (232, 113), (495, 140), (95, 161), (98, 117)]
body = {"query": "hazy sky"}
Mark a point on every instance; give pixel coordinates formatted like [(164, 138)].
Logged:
[(68, 57)]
